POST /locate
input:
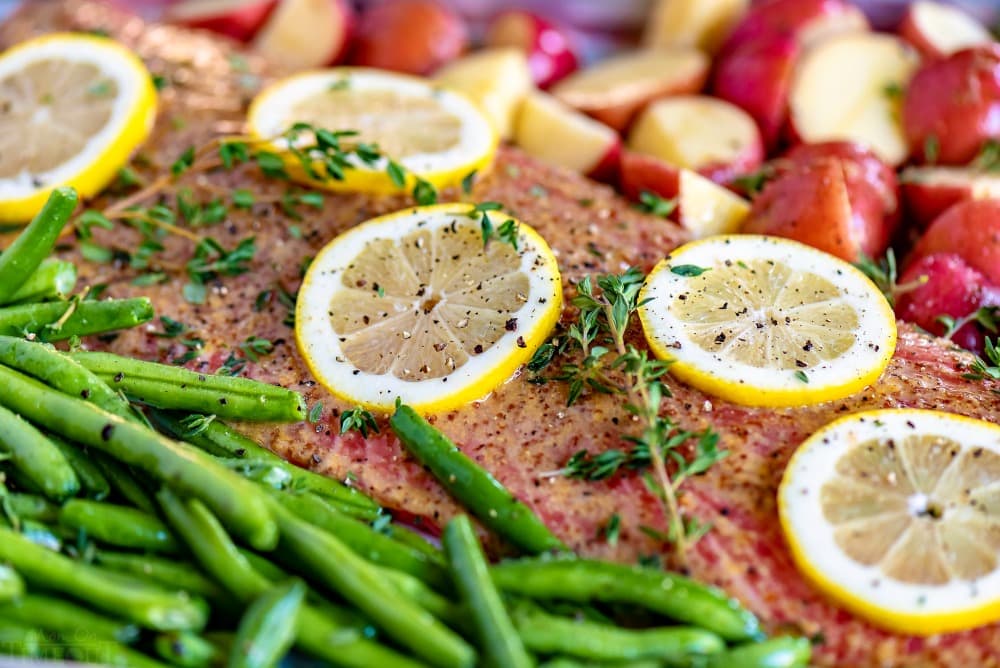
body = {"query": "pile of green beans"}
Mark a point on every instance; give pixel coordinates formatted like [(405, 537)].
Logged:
[(35, 289), (132, 536), (172, 547)]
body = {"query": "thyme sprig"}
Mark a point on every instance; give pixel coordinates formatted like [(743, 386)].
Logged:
[(988, 368), (167, 206), (358, 419), (596, 358), (883, 273), (987, 317)]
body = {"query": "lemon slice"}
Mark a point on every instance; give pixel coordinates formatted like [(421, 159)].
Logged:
[(765, 321), (896, 515), (434, 133), (412, 305), (72, 109)]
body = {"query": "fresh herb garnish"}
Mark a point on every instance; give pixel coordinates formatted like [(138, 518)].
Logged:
[(988, 368), (932, 148), (323, 155), (893, 90), (652, 203), (751, 184), (883, 274), (254, 347), (611, 529), (987, 317), (595, 357), (507, 232), (358, 419), (988, 159), (688, 270)]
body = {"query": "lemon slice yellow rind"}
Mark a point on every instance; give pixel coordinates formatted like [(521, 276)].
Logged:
[(526, 326), (709, 324), (132, 118), (905, 607), (414, 111)]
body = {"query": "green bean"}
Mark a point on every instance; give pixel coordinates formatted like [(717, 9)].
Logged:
[(270, 570), (668, 594), (58, 321), (447, 611), (364, 540), (61, 372), (36, 457), (93, 483), (120, 526), (16, 479), (72, 622), (162, 571), (35, 242), (219, 439), (267, 629), (782, 652), (123, 483), (38, 533), (186, 649), (316, 632), (241, 505), (331, 562), (471, 485), (11, 584), (142, 603), (18, 640), (567, 662), (411, 538), (112, 654), (499, 642), (549, 634), (52, 279), (31, 507), (171, 387)]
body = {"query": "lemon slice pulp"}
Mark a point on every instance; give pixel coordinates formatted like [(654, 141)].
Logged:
[(72, 109), (896, 515), (414, 305), (434, 133), (766, 321)]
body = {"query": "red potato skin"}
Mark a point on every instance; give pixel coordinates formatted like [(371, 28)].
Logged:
[(240, 25), (926, 200), (550, 53), (872, 186), (957, 101), (411, 36), (910, 30), (924, 204), (790, 18), (749, 160), (756, 76), (812, 204), (970, 229), (609, 167), (641, 172), (949, 287)]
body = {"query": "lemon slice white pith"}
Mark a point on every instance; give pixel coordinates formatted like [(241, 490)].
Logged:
[(766, 321), (412, 305), (72, 109), (434, 133), (896, 515)]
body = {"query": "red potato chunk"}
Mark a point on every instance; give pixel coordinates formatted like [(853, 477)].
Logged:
[(952, 106)]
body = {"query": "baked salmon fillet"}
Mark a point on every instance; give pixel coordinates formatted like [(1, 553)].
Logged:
[(523, 432)]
